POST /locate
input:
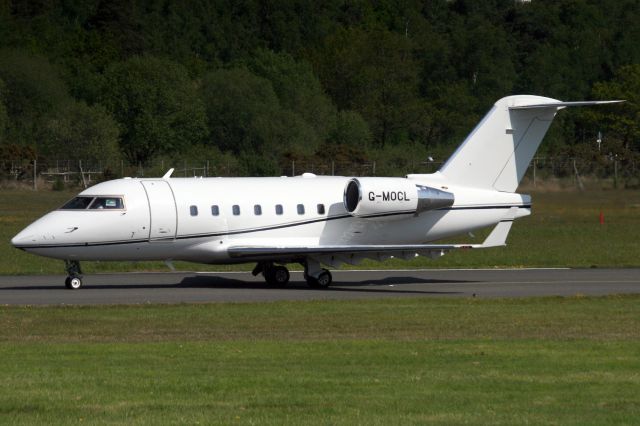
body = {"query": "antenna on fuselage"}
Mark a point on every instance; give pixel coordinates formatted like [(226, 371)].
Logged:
[(168, 174)]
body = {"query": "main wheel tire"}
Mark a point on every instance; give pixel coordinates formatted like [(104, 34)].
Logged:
[(74, 283), (67, 282), (278, 276), (323, 281)]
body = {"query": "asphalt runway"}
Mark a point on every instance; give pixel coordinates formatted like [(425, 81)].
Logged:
[(138, 288)]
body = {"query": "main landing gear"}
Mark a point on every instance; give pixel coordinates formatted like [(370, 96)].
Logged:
[(316, 276), (274, 275), (74, 279), (278, 276)]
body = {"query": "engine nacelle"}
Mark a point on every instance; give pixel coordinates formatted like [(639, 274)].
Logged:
[(370, 197)]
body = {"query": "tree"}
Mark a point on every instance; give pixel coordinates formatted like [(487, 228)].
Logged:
[(81, 132), (351, 130), (32, 89), (157, 106), (245, 117), (297, 87), (621, 121), (118, 21), (375, 74), (4, 118), (238, 105)]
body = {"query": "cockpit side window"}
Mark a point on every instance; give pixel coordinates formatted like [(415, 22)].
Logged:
[(112, 203), (78, 203)]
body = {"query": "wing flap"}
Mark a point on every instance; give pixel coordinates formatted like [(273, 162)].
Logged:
[(258, 251), (353, 254)]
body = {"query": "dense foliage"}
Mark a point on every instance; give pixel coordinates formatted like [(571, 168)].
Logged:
[(261, 83)]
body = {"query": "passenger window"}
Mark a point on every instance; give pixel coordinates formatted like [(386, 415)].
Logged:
[(257, 210), (300, 208), (215, 211), (320, 208), (279, 209), (193, 210), (236, 210), (107, 203), (78, 203)]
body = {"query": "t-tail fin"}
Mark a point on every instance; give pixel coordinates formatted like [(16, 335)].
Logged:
[(498, 151)]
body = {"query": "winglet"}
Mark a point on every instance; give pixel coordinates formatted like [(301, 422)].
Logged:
[(168, 174)]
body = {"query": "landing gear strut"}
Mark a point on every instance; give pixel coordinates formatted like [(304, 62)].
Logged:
[(274, 275), (74, 279), (316, 276)]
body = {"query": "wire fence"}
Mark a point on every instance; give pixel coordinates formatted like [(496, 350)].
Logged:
[(608, 171)]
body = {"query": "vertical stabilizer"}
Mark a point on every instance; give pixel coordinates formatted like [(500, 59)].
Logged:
[(498, 151)]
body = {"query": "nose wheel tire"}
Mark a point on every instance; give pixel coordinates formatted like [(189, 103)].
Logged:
[(74, 279), (277, 276), (322, 281), (73, 283)]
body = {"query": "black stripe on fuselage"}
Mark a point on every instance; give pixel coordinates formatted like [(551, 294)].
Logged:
[(260, 229)]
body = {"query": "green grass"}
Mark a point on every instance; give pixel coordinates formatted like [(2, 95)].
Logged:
[(563, 230), (395, 361)]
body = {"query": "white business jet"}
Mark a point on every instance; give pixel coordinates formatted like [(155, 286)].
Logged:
[(312, 220)]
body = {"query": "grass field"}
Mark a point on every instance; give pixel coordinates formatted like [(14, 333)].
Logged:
[(563, 230), (395, 361)]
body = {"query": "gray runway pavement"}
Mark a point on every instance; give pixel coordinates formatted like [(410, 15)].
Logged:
[(135, 288)]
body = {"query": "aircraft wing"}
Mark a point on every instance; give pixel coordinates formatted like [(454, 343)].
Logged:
[(335, 255)]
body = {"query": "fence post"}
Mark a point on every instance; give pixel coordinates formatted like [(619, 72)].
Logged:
[(578, 180), (615, 173), (84, 183), (35, 175)]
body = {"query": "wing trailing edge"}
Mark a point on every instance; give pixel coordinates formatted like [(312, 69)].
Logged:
[(337, 254)]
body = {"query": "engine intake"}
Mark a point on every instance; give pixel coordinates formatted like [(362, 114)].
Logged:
[(370, 197)]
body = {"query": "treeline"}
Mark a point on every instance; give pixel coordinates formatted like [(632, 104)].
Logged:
[(259, 84)]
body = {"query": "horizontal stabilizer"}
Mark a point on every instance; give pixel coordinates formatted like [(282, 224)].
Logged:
[(565, 104)]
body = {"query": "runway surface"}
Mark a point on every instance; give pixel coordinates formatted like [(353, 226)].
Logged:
[(135, 288)]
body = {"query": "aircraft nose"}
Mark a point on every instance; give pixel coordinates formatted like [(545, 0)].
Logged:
[(21, 239)]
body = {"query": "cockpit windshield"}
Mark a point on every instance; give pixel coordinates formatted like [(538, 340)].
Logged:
[(78, 203), (107, 203), (94, 203)]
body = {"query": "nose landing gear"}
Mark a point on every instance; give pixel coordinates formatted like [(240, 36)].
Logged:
[(74, 279)]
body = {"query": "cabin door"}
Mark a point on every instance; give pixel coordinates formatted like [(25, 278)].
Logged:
[(163, 221)]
